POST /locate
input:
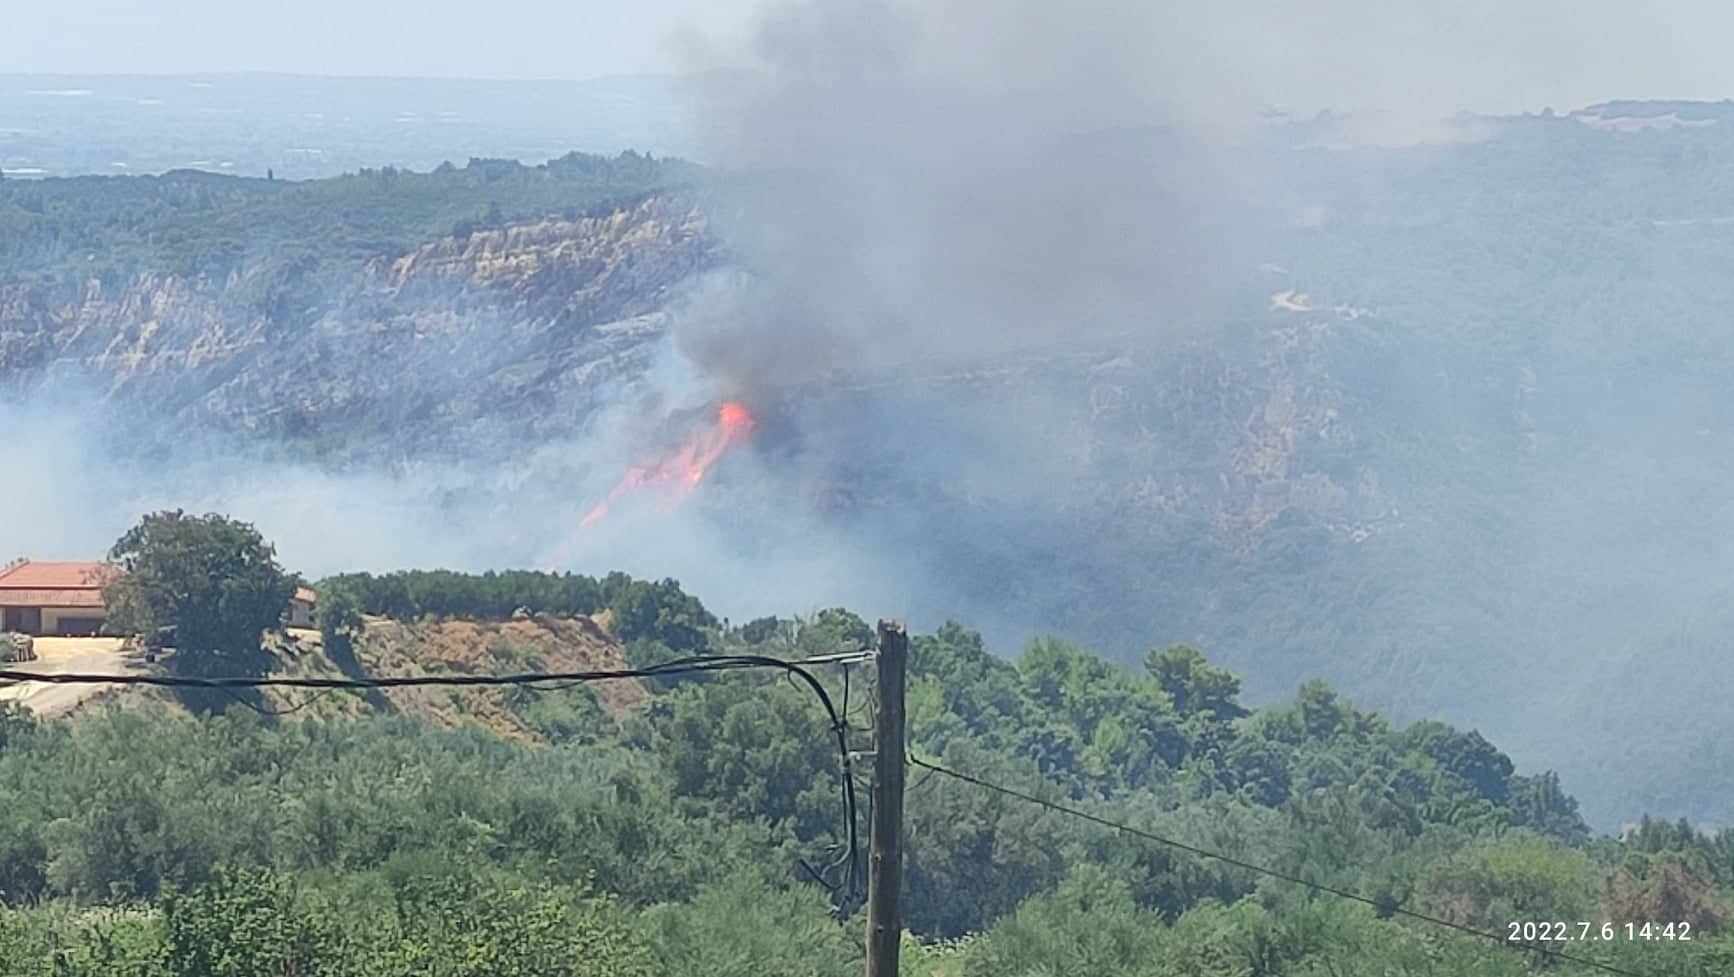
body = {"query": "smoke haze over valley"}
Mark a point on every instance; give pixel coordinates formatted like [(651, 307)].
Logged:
[(1042, 331)]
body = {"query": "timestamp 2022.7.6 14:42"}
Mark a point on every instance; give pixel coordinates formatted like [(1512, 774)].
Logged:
[(1602, 932)]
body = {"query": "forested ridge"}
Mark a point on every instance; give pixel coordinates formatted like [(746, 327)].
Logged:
[(196, 223), (145, 840)]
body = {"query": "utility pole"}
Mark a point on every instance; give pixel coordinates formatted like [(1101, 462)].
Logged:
[(885, 843)]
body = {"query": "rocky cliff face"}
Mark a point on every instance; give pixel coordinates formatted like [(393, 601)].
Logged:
[(514, 324), (512, 335), (1227, 434), (151, 324)]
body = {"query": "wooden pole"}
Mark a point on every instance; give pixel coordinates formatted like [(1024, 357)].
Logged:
[(885, 844)]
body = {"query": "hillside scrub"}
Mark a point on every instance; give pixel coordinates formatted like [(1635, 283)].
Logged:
[(150, 842)]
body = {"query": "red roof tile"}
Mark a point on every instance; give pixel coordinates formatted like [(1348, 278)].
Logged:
[(31, 584), (30, 575), (305, 595)]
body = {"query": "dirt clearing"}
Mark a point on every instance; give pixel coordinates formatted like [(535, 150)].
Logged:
[(102, 656)]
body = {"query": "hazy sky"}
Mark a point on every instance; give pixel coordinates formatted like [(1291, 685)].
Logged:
[(538, 39), (1496, 55)]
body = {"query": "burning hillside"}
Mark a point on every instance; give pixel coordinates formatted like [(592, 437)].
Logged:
[(685, 467), (672, 476)]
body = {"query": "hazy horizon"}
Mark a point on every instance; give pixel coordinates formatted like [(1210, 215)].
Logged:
[(1348, 53)]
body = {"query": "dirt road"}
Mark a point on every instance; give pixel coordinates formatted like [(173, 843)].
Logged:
[(100, 656)]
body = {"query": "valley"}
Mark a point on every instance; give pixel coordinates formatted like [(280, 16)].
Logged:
[(1434, 482)]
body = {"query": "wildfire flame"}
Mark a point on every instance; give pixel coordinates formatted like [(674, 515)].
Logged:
[(684, 468)]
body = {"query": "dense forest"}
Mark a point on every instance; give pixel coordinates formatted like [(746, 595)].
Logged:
[(197, 223), (149, 841)]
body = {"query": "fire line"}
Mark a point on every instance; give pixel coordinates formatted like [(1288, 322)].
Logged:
[(682, 470)]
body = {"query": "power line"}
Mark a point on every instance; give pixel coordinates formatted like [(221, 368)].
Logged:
[(702, 663), (843, 894), (1381, 907), (288, 710)]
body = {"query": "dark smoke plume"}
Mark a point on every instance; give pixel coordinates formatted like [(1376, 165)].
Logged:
[(952, 182)]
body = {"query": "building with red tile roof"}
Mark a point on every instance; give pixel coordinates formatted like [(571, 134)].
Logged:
[(45, 598), (301, 607)]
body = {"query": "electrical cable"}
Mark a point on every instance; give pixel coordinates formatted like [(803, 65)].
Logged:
[(265, 710), (1379, 906), (842, 895)]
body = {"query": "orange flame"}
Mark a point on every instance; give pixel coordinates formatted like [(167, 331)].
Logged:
[(685, 468)]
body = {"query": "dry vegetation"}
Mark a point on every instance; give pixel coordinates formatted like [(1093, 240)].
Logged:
[(432, 646)]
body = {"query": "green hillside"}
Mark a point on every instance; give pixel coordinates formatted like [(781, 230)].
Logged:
[(146, 841), (191, 222)]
